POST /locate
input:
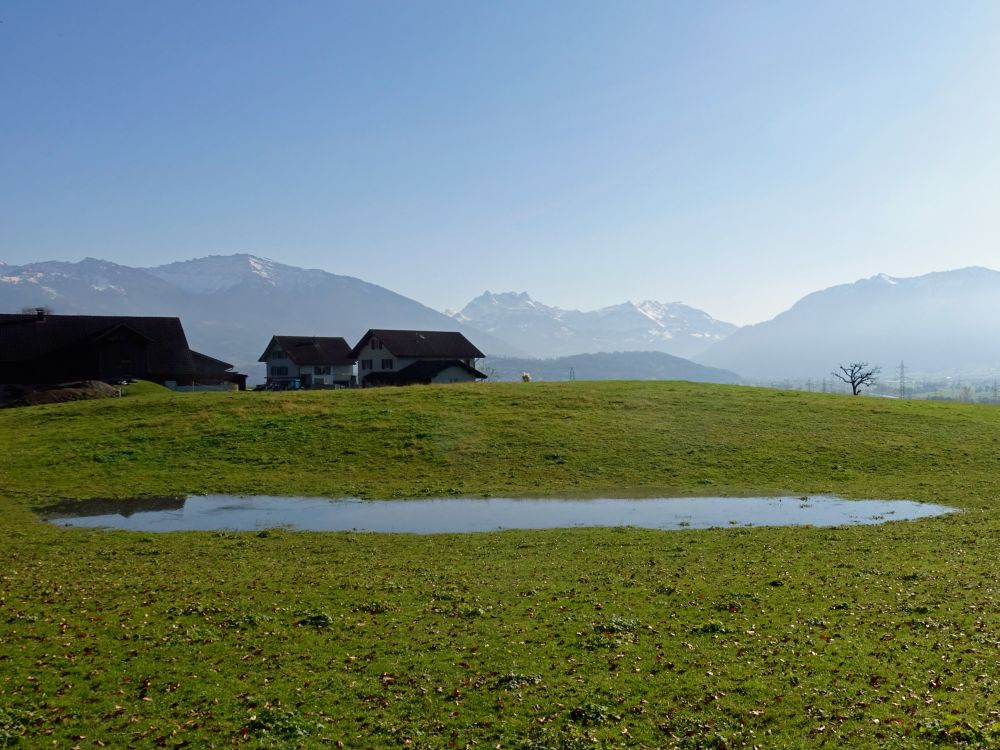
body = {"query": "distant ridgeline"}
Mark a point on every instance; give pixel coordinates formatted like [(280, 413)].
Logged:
[(940, 323), (607, 366), (945, 323), (231, 305)]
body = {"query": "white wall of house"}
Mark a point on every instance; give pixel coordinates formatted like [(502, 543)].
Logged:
[(327, 375), (380, 360), (317, 374), (275, 365)]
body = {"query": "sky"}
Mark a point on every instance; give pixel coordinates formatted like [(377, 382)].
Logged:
[(731, 156)]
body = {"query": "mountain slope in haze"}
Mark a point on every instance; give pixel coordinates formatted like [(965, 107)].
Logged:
[(546, 331), (230, 306), (90, 287), (607, 366), (941, 323)]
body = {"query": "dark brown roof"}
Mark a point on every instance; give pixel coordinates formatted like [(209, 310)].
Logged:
[(431, 344), (204, 363), (420, 372), (312, 350), (32, 338)]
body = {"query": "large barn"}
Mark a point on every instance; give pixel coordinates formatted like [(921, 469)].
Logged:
[(41, 348)]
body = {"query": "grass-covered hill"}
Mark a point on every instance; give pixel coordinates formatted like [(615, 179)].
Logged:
[(537, 438), (881, 636)]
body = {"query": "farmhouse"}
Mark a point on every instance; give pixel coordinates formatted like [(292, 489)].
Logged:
[(390, 357), (40, 348), (308, 362)]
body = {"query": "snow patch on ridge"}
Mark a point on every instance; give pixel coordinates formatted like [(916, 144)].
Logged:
[(24, 278), (217, 273), (261, 267)]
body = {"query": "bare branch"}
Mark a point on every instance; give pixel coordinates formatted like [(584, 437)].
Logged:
[(858, 375)]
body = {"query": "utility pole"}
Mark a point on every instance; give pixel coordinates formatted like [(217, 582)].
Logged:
[(902, 379)]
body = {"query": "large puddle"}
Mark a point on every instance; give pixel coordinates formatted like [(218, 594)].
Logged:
[(438, 516)]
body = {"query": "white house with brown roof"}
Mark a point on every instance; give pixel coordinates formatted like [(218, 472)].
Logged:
[(308, 362), (392, 357)]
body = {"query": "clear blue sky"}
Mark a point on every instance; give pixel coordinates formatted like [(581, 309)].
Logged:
[(733, 156)]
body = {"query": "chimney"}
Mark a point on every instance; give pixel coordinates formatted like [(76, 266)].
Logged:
[(39, 313)]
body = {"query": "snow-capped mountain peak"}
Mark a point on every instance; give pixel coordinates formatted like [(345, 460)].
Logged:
[(551, 331), (488, 301)]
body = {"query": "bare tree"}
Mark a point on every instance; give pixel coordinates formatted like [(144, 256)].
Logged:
[(858, 375)]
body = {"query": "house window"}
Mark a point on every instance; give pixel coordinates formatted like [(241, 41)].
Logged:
[(277, 354), (366, 364), (320, 370), (279, 370), (386, 364), (376, 343)]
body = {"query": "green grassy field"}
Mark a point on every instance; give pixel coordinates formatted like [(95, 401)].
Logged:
[(884, 636)]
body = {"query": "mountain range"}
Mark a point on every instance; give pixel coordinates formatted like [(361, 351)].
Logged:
[(545, 331), (940, 323), (944, 323), (229, 305)]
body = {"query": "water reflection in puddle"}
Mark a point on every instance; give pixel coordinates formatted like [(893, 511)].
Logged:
[(436, 516)]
